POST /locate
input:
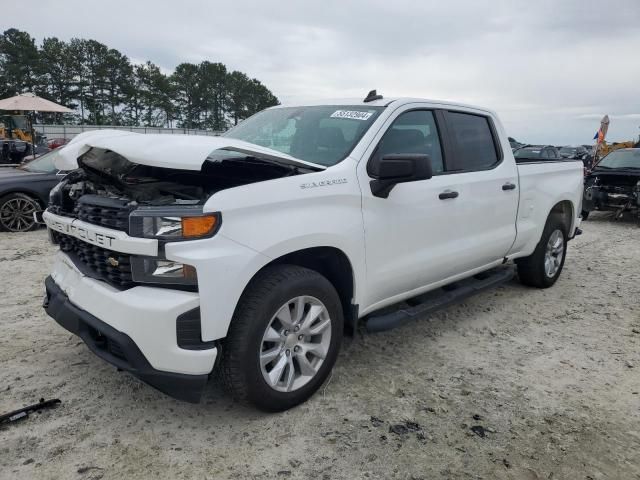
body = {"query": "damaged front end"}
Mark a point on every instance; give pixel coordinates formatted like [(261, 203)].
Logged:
[(618, 192), (144, 203), (614, 184)]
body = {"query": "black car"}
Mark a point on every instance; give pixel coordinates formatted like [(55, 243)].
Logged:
[(536, 153), (577, 153), (25, 190), (614, 184)]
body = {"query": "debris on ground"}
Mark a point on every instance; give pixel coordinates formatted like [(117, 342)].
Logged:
[(376, 422), (24, 412)]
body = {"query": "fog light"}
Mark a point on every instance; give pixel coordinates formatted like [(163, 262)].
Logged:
[(153, 270)]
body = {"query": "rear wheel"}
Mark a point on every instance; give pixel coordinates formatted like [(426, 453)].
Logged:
[(542, 268), (16, 212), (284, 338), (584, 214)]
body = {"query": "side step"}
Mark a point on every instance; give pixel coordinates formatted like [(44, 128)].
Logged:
[(431, 302)]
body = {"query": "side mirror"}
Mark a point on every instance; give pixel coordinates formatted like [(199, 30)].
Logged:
[(394, 168)]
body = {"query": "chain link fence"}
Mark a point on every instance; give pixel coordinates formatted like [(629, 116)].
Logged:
[(70, 131)]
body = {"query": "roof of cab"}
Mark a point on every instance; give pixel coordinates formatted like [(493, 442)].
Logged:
[(384, 102)]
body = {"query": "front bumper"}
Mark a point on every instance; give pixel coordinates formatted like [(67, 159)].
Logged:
[(142, 323), (118, 348)]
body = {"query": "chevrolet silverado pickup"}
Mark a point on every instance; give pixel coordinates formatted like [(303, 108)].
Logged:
[(249, 255)]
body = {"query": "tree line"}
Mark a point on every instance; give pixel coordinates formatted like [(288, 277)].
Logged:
[(103, 87)]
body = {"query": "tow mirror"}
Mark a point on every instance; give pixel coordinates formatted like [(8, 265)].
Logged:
[(394, 168)]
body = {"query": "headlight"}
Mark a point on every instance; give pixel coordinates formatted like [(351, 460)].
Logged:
[(156, 270), (171, 224)]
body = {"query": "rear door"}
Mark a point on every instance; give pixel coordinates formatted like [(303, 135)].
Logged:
[(487, 182)]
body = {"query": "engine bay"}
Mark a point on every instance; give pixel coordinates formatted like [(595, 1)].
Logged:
[(106, 174)]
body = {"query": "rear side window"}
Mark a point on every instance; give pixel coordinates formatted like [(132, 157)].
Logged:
[(474, 146)]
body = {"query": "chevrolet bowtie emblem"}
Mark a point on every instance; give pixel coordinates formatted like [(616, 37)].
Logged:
[(113, 262)]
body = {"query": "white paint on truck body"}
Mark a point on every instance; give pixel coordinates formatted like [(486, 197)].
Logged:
[(398, 247)]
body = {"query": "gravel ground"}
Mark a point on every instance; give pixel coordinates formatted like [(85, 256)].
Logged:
[(514, 383)]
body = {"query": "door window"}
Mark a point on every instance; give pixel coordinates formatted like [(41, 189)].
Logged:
[(413, 132), (473, 140)]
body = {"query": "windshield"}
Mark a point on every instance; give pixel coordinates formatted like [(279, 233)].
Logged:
[(568, 150), (320, 134), (43, 164), (621, 159)]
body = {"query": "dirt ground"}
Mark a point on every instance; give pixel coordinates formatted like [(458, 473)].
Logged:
[(516, 383)]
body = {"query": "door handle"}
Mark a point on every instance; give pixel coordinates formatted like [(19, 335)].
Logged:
[(445, 195), (509, 186)]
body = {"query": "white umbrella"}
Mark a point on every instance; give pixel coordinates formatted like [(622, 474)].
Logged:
[(33, 103)]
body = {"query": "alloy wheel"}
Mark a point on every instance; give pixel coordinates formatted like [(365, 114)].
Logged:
[(16, 214), (295, 343), (554, 253)]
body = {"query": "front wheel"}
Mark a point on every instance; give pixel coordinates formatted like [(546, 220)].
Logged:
[(284, 338), (542, 268)]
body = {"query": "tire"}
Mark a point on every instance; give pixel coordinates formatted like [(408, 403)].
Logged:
[(16, 212), (260, 330), (535, 270), (585, 215)]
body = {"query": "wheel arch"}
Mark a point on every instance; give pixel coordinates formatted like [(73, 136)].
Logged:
[(335, 266), (565, 210), (25, 191)]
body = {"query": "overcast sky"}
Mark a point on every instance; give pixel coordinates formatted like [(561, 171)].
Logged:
[(551, 69)]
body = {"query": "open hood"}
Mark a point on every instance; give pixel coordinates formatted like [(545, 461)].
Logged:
[(185, 152)]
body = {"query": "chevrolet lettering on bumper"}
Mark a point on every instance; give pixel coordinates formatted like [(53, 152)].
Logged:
[(100, 236)]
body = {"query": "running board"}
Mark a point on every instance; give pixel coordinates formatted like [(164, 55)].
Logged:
[(433, 301)]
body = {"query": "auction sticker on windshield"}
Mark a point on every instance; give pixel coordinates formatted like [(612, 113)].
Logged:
[(353, 114)]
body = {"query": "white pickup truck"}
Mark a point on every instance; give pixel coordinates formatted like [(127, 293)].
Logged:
[(250, 254)]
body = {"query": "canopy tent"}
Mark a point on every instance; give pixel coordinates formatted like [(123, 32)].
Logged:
[(32, 103)]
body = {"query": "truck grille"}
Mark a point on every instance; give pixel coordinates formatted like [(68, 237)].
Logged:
[(113, 267), (106, 212)]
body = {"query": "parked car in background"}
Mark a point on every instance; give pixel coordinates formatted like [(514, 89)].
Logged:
[(614, 184), (24, 190), (578, 152), (536, 152), (54, 143), (515, 144), (14, 151)]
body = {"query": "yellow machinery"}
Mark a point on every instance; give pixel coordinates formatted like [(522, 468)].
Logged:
[(606, 148), (16, 127)]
